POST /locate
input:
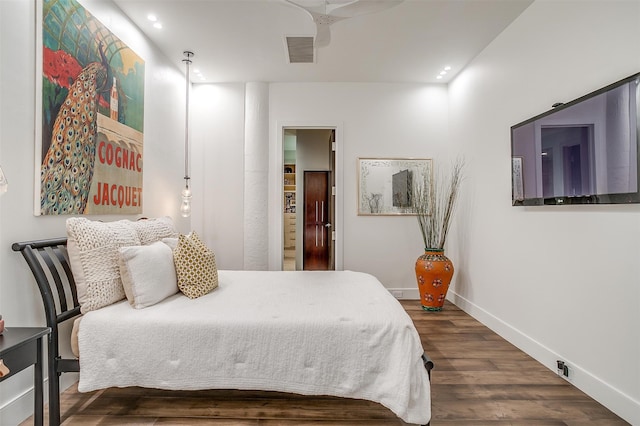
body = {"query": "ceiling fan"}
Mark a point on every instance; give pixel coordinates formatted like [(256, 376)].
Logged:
[(327, 12)]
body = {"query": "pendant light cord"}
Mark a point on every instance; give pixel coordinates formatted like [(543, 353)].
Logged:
[(187, 62)]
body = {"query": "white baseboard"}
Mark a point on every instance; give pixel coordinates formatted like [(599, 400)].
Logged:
[(405, 293), (20, 408), (615, 400)]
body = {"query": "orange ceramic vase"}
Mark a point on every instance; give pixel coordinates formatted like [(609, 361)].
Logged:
[(433, 273)]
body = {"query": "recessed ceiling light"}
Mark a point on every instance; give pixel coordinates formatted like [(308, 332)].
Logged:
[(157, 25), (443, 72), (152, 17)]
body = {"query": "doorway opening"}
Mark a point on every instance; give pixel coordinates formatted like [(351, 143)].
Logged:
[(309, 165)]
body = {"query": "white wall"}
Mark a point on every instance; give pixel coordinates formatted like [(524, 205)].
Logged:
[(217, 169), (376, 120), (413, 124), (20, 302), (560, 282)]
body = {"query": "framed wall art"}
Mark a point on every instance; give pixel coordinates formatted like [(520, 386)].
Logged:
[(386, 186), (89, 113)]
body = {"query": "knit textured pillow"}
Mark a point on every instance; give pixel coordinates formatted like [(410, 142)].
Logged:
[(152, 230), (195, 266), (93, 256)]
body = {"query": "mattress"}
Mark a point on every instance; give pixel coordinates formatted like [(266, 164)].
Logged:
[(334, 333)]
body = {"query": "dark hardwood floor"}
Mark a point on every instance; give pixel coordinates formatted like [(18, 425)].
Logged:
[(479, 379)]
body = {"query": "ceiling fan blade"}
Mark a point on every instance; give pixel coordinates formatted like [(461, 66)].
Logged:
[(323, 35), (326, 12), (363, 7)]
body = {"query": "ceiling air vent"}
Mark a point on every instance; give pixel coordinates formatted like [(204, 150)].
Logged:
[(300, 49)]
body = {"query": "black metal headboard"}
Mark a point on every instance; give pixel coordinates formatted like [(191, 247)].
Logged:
[(49, 263)]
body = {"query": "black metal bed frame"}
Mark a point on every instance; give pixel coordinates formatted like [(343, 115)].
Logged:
[(49, 263)]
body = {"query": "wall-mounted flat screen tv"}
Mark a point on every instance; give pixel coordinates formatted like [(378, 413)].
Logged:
[(581, 152)]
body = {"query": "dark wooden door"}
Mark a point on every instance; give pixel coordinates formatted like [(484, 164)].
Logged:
[(317, 223)]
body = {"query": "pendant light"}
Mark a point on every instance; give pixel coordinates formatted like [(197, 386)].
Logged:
[(185, 207)]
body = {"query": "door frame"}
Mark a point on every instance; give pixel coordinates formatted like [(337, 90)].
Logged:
[(276, 191)]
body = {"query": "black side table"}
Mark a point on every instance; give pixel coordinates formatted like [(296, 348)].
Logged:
[(21, 347)]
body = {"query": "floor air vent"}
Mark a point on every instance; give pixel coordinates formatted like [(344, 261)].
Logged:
[(300, 50)]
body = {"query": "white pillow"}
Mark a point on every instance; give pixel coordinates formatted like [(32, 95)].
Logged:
[(152, 230), (93, 257), (148, 273)]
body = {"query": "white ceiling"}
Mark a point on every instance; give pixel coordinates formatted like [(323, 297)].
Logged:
[(243, 40)]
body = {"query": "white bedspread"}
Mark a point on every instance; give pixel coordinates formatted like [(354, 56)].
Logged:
[(311, 333)]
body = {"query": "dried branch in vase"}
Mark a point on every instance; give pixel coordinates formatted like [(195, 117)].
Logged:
[(435, 203)]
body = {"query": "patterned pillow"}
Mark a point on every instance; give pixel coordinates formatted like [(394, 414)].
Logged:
[(152, 230), (93, 257), (195, 266)]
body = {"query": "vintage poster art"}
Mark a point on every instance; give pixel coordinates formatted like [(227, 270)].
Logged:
[(89, 113)]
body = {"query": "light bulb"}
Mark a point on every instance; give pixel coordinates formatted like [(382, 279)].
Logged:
[(185, 207)]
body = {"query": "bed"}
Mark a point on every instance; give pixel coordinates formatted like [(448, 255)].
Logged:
[(334, 333)]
